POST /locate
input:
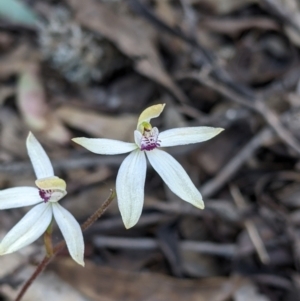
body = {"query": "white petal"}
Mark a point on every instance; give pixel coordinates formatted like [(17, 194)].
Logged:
[(19, 197), (28, 229), (71, 232), (130, 187), (39, 159), (175, 177), (105, 146), (187, 135)]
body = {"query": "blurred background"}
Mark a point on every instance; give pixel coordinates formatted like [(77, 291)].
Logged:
[(73, 68)]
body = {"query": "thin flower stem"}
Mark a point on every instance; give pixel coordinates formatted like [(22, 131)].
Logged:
[(48, 240), (97, 214), (59, 247)]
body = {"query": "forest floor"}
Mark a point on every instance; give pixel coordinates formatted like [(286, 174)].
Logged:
[(74, 68)]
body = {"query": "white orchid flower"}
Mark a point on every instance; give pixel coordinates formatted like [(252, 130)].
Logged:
[(132, 173), (50, 189)]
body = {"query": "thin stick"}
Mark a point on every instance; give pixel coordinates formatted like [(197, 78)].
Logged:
[(255, 104), (233, 166), (250, 227), (40, 268), (204, 247), (284, 13)]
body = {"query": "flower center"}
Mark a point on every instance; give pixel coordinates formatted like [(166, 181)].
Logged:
[(51, 189), (51, 195), (45, 194), (150, 139)]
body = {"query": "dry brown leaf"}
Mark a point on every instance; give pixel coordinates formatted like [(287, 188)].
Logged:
[(15, 269), (106, 284), (129, 37), (46, 287), (12, 133), (165, 11), (224, 7), (31, 101), (99, 125), (18, 59), (234, 26)]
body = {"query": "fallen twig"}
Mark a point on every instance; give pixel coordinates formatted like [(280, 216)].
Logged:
[(250, 226), (257, 105)]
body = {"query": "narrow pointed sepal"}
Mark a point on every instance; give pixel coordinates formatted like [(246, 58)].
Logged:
[(105, 146), (28, 229), (19, 197), (130, 187), (71, 232), (188, 135), (175, 177), (39, 159)]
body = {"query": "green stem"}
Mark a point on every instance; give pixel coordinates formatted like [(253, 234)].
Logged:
[(59, 247), (48, 240)]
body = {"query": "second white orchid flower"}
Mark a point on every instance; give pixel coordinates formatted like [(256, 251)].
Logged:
[(132, 173), (50, 189)]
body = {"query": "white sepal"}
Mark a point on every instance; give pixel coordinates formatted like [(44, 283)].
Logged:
[(187, 135), (19, 197), (105, 146), (71, 232), (130, 187), (39, 159), (175, 177), (149, 113), (28, 229)]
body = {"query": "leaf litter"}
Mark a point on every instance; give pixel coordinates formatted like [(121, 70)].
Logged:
[(87, 68)]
